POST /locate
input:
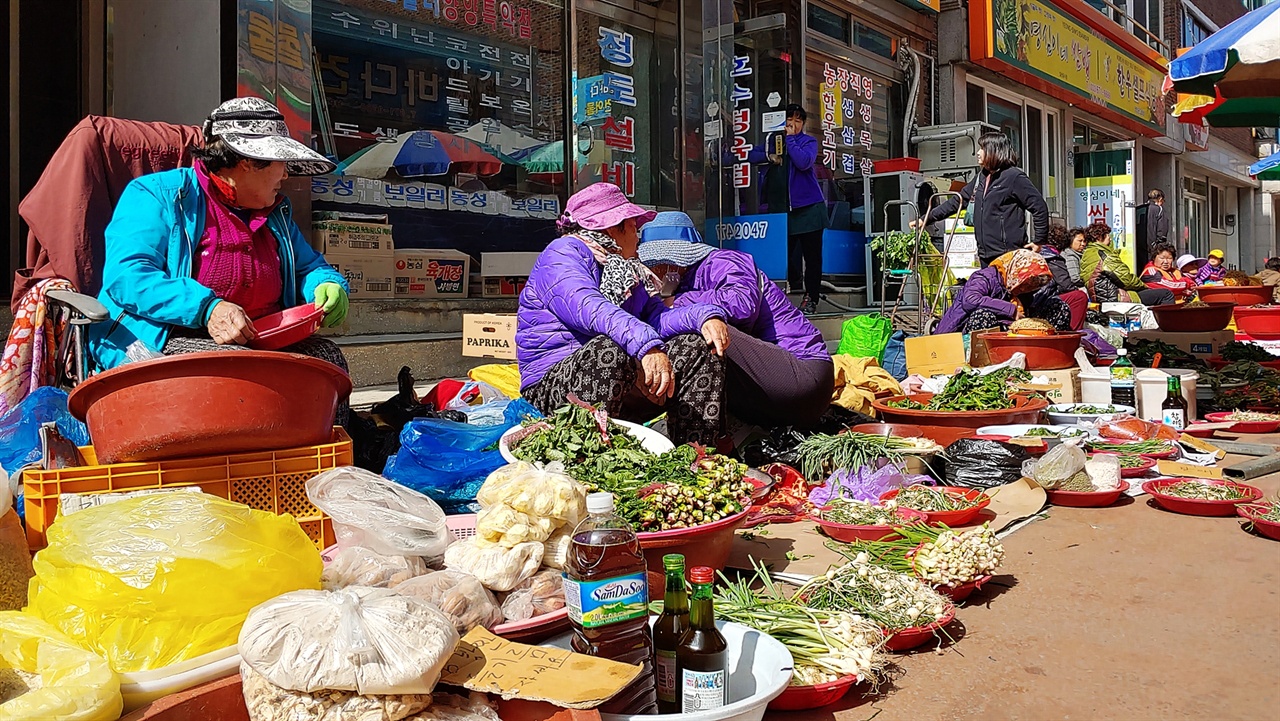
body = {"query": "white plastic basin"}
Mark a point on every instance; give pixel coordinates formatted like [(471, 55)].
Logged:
[(759, 671), (653, 441), (143, 687)]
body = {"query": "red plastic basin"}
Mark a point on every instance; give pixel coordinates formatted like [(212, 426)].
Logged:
[(1180, 318), (705, 545), (1196, 506), (1239, 294), (1086, 499), (917, 636), (801, 698), (1261, 322), (1044, 352), (963, 591), (951, 518), (849, 533), (1270, 529), (205, 404), (283, 329), (1243, 426), (1025, 410)]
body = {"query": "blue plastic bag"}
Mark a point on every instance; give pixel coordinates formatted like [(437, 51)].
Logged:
[(20, 427), (449, 461), (895, 355)]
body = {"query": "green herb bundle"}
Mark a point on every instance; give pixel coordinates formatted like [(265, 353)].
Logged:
[(822, 454), (973, 391)]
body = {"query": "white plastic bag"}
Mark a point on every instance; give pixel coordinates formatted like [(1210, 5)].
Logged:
[(556, 549), (524, 503), (1104, 471), (460, 595), (450, 707), (497, 567), (541, 594), (381, 515), (369, 640), (358, 566), (473, 394), (268, 702)]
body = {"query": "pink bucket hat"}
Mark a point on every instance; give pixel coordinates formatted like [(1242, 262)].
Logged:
[(603, 205)]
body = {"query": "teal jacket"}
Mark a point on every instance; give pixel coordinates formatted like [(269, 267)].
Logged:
[(147, 281)]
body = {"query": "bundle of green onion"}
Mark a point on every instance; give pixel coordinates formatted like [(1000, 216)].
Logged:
[(937, 554), (925, 498), (894, 601), (1204, 491), (821, 453)]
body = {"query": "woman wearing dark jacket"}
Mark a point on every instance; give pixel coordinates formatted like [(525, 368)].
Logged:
[(1070, 290), (998, 200)]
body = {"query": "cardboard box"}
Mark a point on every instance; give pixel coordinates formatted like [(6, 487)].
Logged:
[(489, 335), (503, 275), (929, 355), (432, 274), (1201, 345), (507, 286), (1067, 384), (370, 277), (340, 237)]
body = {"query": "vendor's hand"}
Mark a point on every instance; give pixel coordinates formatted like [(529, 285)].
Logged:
[(229, 324), (333, 300), (775, 159), (1019, 313), (916, 224), (716, 333), (659, 382)]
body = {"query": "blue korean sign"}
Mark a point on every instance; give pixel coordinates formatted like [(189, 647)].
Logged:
[(591, 100), (763, 237)]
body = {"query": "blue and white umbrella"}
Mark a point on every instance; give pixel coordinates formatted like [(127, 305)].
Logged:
[(1242, 59), (1266, 169)]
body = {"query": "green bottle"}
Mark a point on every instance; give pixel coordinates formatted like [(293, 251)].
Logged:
[(1122, 390), (703, 656), (667, 632)]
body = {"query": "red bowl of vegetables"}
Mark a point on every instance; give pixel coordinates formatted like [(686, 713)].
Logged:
[(849, 533), (1144, 464), (1160, 491), (917, 636), (801, 698), (1162, 449), (1251, 426), (963, 591), (958, 517), (1086, 499), (1194, 430), (1253, 511)]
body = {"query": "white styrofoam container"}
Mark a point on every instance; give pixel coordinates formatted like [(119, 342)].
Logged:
[(143, 687)]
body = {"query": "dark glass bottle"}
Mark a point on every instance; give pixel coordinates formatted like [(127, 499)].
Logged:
[(1174, 409), (703, 656), (668, 630)]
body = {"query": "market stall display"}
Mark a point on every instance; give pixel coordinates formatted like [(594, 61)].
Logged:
[(1262, 517), (1070, 414), (1193, 317), (1247, 421), (1199, 497), (849, 520), (941, 504), (1050, 351), (1259, 321), (1241, 295)]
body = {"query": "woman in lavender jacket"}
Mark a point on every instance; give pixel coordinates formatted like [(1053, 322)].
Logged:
[(587, 325), (778, 370)]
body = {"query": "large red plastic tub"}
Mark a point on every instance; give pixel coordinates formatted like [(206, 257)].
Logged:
[(1025, 410), (1044, 352), (210, 404), (1261, 322), (1238, 294), (705, 545), (1180, 318)]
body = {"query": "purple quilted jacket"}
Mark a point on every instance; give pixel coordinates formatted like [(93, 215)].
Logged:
[(729, 280), (562, 308)]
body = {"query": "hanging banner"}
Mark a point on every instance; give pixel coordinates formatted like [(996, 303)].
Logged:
[(1108, 200)]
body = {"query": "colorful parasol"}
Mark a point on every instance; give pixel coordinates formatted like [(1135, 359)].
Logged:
[(1266, 169), (1242, 59), (421, 153)]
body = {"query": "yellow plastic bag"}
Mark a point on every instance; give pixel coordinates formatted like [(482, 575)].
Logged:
[(74, 684), (155, 580), (506, 378)]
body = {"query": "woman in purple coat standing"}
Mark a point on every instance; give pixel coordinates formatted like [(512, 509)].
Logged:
[(587, 325), (778, 370)]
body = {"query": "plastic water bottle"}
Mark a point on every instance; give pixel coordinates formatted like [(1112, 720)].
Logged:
[(607, 591), (1122, 392)]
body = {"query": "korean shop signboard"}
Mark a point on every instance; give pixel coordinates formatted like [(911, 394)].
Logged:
[(1067, 49)]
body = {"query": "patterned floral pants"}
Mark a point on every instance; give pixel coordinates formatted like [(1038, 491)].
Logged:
[(1054, 310), (601, 373)]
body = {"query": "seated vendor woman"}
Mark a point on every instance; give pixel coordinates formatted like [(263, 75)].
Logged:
[(1005, 291), (778, 371), (195, 255), (588, 325)]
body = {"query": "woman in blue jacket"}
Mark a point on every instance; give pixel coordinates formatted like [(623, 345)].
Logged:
[(194, 255)]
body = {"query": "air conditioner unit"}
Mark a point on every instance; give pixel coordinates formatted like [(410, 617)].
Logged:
[(950, 147)]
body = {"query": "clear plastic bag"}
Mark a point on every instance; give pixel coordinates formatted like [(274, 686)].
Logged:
[(381, 515), (1104, 471), (450, 707), (459, 595), (154, 580), (474, 394), (540, 594), (358, 566), (368, 640), (556, 549), (74, 684), (1128, 428), (508, 527), (539, 492), (268, 702), (497, 567), (1056, 468)]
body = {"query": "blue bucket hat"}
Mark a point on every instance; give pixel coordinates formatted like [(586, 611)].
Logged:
[(672, 239)]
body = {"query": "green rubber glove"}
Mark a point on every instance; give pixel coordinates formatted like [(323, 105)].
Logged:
[(333, 300)]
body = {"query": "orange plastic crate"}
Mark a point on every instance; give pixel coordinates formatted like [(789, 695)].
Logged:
[(267, 480)]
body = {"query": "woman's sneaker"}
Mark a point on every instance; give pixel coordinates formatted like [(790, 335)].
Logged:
[(809, 307)]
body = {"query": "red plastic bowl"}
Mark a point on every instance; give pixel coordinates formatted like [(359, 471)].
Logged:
[(533, 630), (1044, 352), (963, 591), (1241, 295), (901, 430), (951, 518), (1261, 322), (1244, 426), (1195, 432), (209, 404), (1195, 506), (1086, 499), (801, 698), (705, 545), (917, 636), (1270, 529), (1026, 410), (1180, 318), (283, 329), (1147, 464), (850, 533)]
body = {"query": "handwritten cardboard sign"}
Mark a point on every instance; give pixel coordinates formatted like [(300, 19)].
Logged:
[(483, 662), (1187, 470), (1205, 446)]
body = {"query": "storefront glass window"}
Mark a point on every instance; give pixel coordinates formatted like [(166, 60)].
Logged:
[(447, 115), (1033, 158), (833, 25), (1007, 116), (1051, 189), (857, 117), (872, 40)]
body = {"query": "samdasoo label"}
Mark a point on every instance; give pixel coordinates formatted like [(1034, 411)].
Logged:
[(593, 604)]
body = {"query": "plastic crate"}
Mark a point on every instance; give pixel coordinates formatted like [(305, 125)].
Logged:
[(267, 480)]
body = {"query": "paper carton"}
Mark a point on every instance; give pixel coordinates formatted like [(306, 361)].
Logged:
[(489, 335), (929, 355), (370, 277), (503, 275), (432, 274), (340, 237)]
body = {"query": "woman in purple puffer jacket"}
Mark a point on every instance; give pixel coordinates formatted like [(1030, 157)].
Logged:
[(778, 370), (587, 325)]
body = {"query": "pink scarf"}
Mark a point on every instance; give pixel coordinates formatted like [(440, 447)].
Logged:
[(238, 260)]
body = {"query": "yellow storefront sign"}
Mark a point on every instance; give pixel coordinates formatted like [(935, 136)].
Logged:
[(1060, 50)]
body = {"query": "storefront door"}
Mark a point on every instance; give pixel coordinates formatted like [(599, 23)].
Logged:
[(1105, 193)]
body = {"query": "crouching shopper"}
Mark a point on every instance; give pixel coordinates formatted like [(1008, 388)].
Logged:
[(1003, 292), (778, 371), (588, 325)]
